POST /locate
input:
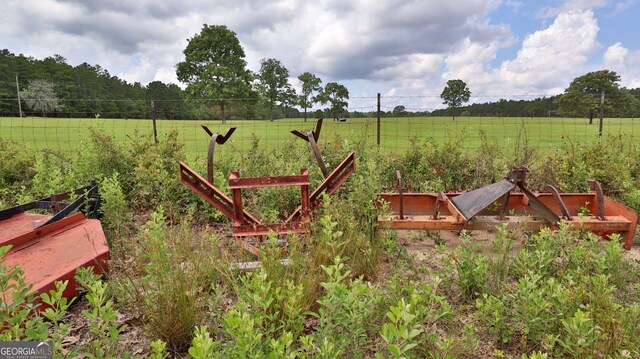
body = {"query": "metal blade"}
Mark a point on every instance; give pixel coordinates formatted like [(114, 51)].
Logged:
[(471, 203)]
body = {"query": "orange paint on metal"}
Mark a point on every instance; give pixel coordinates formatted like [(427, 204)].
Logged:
[(53, 252), (419, 210)]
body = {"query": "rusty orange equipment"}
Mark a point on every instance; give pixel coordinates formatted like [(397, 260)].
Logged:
[(497, 204), (244, 224), (49, 248)]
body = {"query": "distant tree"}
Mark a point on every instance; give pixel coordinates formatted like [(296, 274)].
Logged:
[(167, 98), (455, 94), (335, 95), (310, 85), (583, 96), (273, 84), (41, 96), (399, 111), (215, 68), (501, 107)]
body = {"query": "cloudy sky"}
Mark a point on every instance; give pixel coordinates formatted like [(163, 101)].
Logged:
[(404, 49)]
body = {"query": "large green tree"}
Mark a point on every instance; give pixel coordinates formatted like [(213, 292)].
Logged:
[(583, 96), (41, 96), (335, 95), (215, 68), (455, 94), (310, 86), (273, 84)]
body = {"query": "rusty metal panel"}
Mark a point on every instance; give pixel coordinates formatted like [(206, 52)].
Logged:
[(268, 181), (471, 203), (614, 208), (211, 193)]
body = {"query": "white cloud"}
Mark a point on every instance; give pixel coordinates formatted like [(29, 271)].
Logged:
[(339, 40), (547, 60), (572, 5), (551, 56), (625, 63)]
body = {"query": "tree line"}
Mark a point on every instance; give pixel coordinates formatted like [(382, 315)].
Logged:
[(592, 94)]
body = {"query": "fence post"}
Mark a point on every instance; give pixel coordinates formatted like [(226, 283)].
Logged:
[(155, 115), (18, 91), (378, 118), (601, 112)]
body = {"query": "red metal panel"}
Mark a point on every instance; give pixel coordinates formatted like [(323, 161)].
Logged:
[(54, 252), (18, 225)]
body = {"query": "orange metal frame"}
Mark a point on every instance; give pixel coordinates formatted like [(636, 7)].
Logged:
[(436, 211)]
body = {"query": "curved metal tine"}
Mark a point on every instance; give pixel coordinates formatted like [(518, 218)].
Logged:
[(212, 145), (556, 195), (595, 185), (215, 138)]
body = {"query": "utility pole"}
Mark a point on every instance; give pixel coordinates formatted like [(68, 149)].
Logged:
[(18, 91)]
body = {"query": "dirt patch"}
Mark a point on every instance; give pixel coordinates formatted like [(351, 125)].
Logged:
[(420, 243), (633, 254)]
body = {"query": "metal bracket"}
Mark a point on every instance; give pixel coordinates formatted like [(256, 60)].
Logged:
[(215, 138), (440, 198), (505, 204), (556, 196), (312, 137), (540, 207), (599, 196)]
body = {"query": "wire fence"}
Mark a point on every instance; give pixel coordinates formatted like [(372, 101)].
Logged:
[(397, 120)]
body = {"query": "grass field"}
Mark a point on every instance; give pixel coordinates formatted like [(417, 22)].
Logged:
[(543, 133)]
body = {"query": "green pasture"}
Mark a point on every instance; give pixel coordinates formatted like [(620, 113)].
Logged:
[(395, 133)]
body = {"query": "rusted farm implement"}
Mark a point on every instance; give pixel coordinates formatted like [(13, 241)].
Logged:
[(247, 229), (497, 204), (49, 248)]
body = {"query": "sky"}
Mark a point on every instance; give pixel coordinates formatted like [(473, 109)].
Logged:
[(406, 50)]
